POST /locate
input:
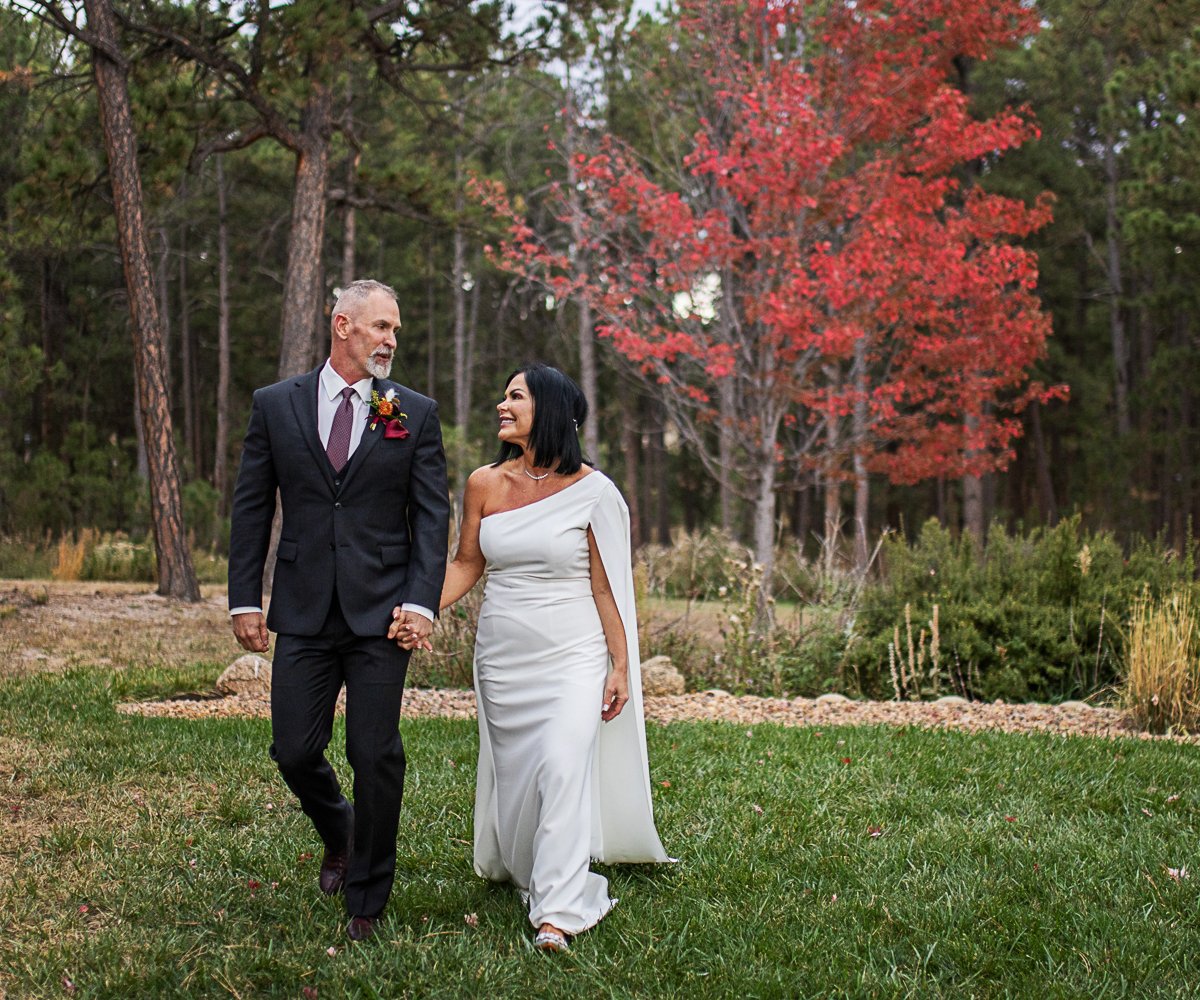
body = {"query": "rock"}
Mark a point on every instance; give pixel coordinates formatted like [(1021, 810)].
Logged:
[(247, 674), (833, 698), (950, 699), (717, 693), (660, 677), (1075, 706)]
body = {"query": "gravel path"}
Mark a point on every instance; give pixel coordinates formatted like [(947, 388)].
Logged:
[(1070, 718)]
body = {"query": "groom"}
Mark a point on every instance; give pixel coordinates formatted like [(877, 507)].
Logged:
[(361, 473)]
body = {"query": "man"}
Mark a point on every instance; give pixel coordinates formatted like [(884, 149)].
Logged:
[(361, 474)]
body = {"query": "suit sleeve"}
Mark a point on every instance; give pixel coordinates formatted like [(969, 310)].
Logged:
[(253, 512), (428, 516)]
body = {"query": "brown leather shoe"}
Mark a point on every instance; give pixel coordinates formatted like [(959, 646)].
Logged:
[(333, 870), (361, 928)]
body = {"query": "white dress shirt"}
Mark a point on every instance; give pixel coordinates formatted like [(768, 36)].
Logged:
[(329, 398)]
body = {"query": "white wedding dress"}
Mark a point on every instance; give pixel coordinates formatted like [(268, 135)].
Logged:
[(555, 785)]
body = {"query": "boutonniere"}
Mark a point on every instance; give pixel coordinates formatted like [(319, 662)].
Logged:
[(383, 409)]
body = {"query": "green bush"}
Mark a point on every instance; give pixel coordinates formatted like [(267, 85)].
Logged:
[(115, 557), (1033, 616)]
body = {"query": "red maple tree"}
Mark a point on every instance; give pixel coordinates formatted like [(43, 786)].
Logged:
[(823, 289)]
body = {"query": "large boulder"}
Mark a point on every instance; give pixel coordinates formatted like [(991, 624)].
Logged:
[(660, 677), (249, 674)]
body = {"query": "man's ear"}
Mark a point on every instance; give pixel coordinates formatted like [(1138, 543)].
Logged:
[(341, 326)]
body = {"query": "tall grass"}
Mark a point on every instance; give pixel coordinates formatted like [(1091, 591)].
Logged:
[(1162, 669)]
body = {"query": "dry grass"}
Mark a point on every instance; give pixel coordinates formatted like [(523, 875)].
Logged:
[(57, 624), (1162, 674)]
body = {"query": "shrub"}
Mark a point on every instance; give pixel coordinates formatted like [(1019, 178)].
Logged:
[(1027, 616), (115, 557), (25, 558), (1162, 663)]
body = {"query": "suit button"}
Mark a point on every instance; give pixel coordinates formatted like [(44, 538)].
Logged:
[(337, 506)]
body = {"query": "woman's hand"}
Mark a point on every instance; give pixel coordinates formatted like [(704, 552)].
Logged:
[(616, 694)]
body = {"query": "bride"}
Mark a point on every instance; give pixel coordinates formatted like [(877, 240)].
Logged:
[(563, 775)]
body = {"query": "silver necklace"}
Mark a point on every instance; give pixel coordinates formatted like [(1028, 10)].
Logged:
[(525, 469)]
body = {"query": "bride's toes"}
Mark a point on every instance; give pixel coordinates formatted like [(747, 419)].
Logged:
[(550, 939)]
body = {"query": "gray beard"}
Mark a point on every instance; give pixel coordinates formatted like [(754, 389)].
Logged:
[(378, 369)]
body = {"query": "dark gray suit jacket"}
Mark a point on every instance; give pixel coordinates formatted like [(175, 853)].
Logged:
[(380, 536)]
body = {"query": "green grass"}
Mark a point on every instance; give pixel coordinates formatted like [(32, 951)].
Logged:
[(159, 858)]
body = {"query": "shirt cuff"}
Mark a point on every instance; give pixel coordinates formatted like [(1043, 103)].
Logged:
[(423, 611), (243, 611)]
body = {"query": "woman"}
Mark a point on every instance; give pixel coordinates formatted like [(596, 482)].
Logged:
[(556, 654)]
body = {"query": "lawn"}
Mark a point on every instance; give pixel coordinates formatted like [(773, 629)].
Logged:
[(158, 857)]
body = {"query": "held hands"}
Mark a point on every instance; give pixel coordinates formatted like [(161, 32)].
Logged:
[(250, 630), (410, 630), (616, 694)]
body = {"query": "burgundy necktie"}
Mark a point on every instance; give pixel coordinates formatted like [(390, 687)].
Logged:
[(338, 448)]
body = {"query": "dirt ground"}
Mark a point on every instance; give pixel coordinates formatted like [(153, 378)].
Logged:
[(53, 625)]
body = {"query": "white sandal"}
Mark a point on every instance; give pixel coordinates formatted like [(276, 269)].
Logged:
[(551, 941)]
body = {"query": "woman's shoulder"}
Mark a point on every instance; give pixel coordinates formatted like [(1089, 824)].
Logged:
[(486, 478)]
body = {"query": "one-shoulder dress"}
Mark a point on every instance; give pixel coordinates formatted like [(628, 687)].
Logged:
[(556, 787)]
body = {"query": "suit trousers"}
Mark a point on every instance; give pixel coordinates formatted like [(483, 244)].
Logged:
[(306, 677)]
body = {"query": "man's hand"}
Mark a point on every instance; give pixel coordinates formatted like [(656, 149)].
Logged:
[(410, 630), (250, 629)]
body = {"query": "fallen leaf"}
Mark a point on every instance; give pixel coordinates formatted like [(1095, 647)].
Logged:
[(1173, 798), (1178, 874), (83, 907), (665, 784), (847, 760), (309, 993), (756, 807), (875, 831), (1147, 811), (68, 985), (331, 951), (471, 919), (253, 884), (1010, 819)]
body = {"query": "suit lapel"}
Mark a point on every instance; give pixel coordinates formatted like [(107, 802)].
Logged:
[(304, 404)]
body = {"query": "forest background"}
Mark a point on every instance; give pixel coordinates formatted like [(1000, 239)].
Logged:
[(283, 151)]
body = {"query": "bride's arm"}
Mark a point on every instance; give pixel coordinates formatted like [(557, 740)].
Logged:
[(467, 567), (616, 687)]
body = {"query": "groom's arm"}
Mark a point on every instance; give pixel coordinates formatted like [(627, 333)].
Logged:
[(250, 523)]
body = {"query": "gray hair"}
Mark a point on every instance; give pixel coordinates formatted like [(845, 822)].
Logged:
[(357, 292)]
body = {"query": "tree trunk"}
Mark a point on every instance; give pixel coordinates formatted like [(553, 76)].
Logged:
[(1116, 289), (187, 359), (1045, 485), (462, 376), (726, 403), (862, 481), (221, 450), (431, 324), (972, 493), (630, 440), (764, 534), (833, 521), (585, 333), (176, 578), (303, 281), (349, 224)]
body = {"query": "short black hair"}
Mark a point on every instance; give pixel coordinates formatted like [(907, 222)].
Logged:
[(559, 410)]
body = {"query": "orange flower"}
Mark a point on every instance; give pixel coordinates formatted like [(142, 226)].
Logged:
[(386, 406)]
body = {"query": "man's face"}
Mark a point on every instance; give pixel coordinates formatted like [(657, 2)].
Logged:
[(364, 340)]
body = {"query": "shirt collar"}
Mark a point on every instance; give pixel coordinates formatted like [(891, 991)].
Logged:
[(332, 384)]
